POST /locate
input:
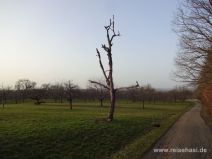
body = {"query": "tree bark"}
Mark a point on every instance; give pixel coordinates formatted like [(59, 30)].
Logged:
[(70, 102), (101, 102), (112, 104), (143, 103)]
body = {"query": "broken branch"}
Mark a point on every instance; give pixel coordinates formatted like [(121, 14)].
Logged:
[(99, 84), (130, 87)]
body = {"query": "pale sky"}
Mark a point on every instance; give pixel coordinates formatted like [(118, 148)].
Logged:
[(55, 40)]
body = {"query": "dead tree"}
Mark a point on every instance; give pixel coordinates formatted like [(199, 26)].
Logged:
[(108, 74)]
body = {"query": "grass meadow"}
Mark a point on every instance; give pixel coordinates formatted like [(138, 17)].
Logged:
[(53, 131)]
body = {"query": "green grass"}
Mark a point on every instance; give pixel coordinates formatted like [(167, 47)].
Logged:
[(52, 131)]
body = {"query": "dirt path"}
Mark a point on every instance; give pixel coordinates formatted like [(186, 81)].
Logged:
[(188, 132)]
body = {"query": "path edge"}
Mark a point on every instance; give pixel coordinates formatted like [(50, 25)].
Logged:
[(193, 104)]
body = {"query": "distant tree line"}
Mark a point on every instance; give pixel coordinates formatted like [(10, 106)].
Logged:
[(26, 90)]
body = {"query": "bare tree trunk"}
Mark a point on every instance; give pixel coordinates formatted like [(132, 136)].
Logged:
[(154, 100), (3, 99), (70, 102), (143, 103), (23, 100), (101, 97), (101, 102), (112, 104), (61, 99), (16, 100)]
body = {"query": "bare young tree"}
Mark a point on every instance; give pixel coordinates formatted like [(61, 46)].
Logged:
[(23, 86), (108, 74), (69, 90), (194, 26), (37, 95)]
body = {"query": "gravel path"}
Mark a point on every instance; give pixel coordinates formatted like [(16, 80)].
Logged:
[(190, 131)]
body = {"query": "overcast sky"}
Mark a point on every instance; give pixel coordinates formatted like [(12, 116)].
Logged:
[(55, 40)]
